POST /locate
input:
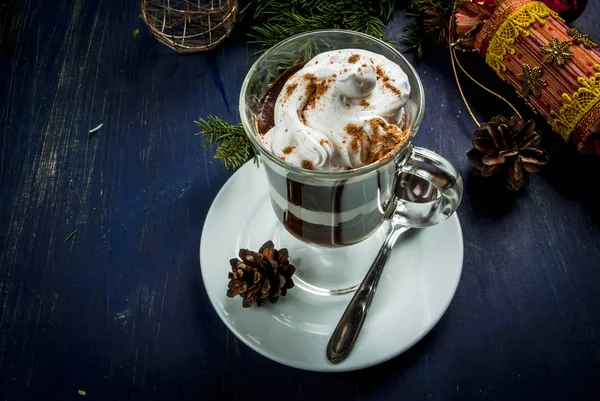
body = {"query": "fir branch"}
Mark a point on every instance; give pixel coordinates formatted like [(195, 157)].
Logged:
[(234, 148), (430, 25), (275, 20)]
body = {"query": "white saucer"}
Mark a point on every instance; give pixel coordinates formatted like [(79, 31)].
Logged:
[(415, 289)]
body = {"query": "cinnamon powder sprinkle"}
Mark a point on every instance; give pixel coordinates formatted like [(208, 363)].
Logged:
[(311, 87), (382, 73), (393, 88), (314, 92), (288, 149), (354, 129), (377, 122), (290, 89), (311, 91), (308, 165), (385, 142), (321, 89), (353, 58), (357, 133), (396, 133), (364, 103)]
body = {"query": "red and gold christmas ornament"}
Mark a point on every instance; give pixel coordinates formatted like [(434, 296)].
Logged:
[(556, 69)]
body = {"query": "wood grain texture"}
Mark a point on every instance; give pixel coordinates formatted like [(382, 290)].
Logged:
[(120, 312)]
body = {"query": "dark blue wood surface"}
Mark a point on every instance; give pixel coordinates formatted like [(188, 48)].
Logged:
[(120, 310)]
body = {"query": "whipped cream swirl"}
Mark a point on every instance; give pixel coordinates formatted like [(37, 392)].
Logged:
[(343, 110)]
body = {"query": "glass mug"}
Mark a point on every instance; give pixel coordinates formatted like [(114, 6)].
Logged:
[(342, 208)]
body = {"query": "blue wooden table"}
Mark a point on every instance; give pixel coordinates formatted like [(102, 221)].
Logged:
[(119, 311)]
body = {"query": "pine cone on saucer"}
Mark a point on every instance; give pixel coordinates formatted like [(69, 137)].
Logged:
[(508, 147), (261, 276)]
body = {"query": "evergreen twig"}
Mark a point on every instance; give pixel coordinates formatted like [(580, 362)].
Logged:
[(234, 148), (431, 19), (275, 20), (233, 151)]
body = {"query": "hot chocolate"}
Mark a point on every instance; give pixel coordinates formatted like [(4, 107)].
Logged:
[(339, 111)]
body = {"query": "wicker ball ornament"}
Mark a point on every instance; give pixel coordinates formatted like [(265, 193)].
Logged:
[(189, 26)]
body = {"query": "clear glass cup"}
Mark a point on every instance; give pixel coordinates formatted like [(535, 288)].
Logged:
[(324, 210)]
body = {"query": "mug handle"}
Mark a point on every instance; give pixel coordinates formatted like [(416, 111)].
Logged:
[(437, 171)]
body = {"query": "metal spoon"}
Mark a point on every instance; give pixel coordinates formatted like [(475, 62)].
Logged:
[(428, 191)]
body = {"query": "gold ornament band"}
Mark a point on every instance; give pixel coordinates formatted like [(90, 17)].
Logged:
[(577, 105), (516, 24), (491, 27), (586, 136)]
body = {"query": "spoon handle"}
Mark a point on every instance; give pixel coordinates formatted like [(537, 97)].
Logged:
[(345, 334)]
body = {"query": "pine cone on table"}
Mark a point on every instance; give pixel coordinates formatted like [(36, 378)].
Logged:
[(508, 147), (261, 276)]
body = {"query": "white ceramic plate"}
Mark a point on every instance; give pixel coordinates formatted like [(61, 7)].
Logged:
[(415, 289)]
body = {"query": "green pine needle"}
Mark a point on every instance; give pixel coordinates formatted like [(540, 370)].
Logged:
[(215, 130), (234, 148), (233, 151), (414, 38)]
